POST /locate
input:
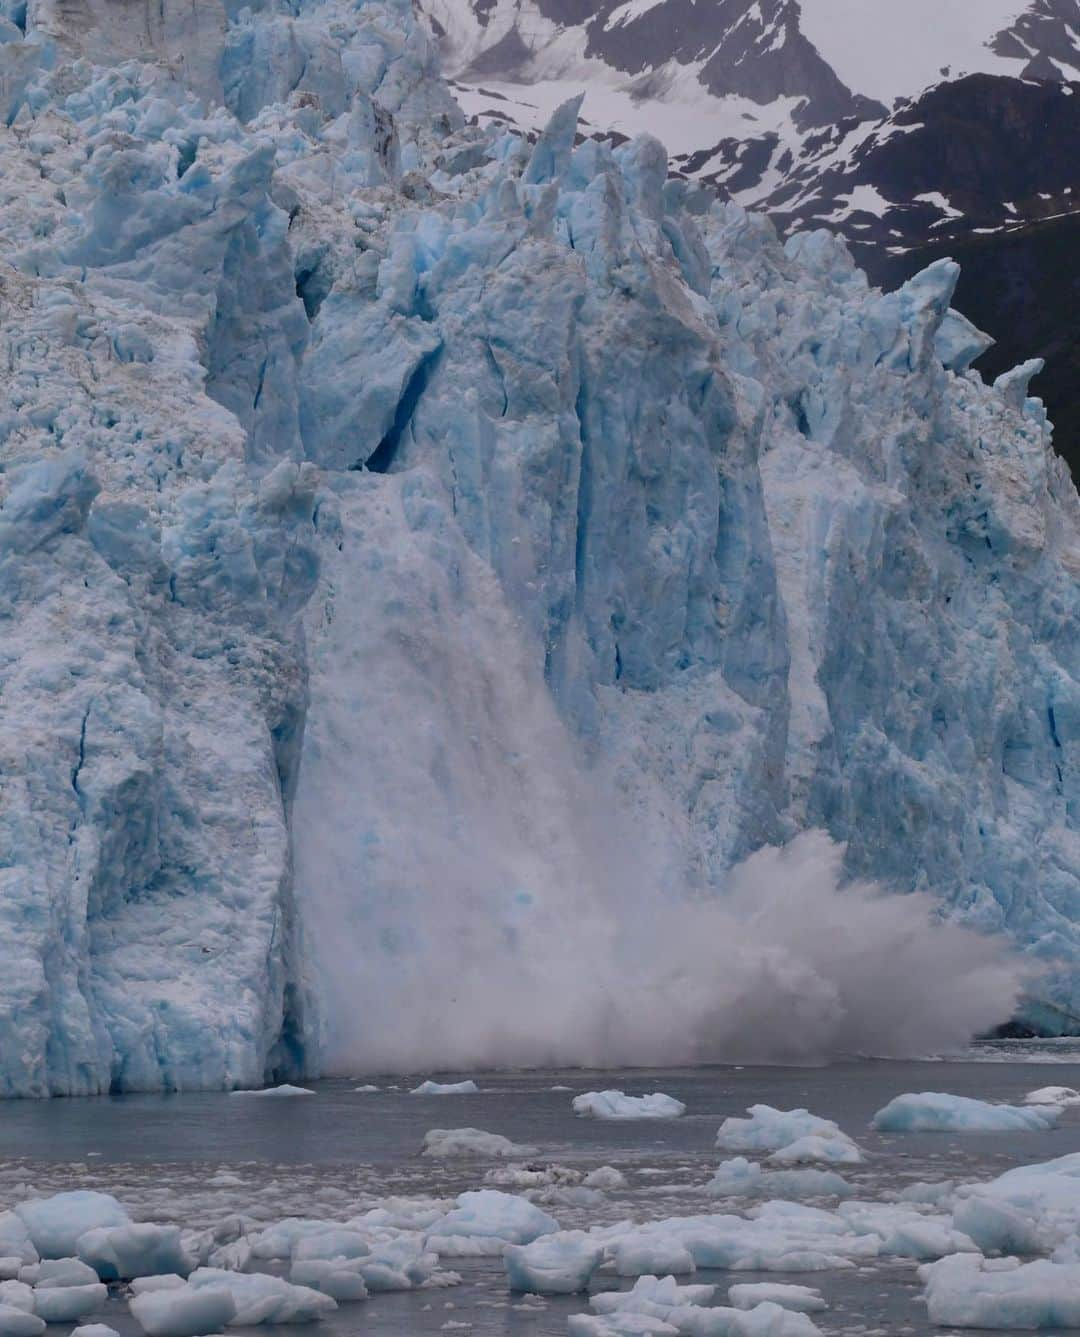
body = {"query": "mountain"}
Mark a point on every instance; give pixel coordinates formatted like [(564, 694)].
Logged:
[(437, 565), (906, 128)]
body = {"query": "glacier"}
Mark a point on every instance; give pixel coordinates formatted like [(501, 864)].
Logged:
[(425, 554)]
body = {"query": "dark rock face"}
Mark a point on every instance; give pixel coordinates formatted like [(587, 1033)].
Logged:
[(756, 52)]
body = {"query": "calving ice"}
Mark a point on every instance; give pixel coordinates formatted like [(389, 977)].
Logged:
[(460, 590)]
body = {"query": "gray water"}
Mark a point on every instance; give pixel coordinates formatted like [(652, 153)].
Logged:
[(197, 1159)]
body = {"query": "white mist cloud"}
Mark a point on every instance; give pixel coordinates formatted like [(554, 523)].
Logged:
[(471, 895)]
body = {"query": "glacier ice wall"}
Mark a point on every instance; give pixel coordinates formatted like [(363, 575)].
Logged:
[(401, 522)]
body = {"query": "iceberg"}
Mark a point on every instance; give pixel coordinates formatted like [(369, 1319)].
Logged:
[(56, 1224), (558, 1264), (488, 1215), (617, 1105), (438, 571), (972, 1292), (939, 1112), (184, 1311), (802, 1299), (791, 1135), (449, 1142)]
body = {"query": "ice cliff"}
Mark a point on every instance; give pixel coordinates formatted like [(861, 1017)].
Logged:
[(371, 483)]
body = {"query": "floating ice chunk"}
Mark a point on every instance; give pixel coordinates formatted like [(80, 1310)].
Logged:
[(617, 1105), (120, 1253), (68, 1304), (446, 1142), (94, 1330), (339, 1242), (489, 1214), (803, 1299), (533, 1176), (605, 1177), (972, 1292), (280, 1239), (997, 1227), (184, 1311), (340, 1278), (618, 1325), (662, 1292), (15, 1241), (363, 1090), (933, 1195), (59, 1272), (55, 1224), (773, 1320), (166, 1282), (559, 1264), (644, 1253), (769, 1129), (939, 1112), (17, 1294), (260, 1298), (18, 1323), (467, 1088), (836, 1150), (284, 1090), (740, 1178), (1053, 1095)]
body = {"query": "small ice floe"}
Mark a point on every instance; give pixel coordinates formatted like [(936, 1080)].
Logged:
[(618, 1105), (467, 1088), (802, 1299), (184, 1311), (447, 1142), (740, 1178), (972, 1292), (641, 1254), (65, 1303), (606, 1178), (119, 1253), (939, 1112), (16, 1322), (659, 1307), (558, 1264), (365, 1090), (284, 1090), (792, 1135), (484, 1222), (1053, 1095), (54, 1224)]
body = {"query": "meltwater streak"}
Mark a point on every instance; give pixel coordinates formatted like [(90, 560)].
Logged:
[(471, 895)]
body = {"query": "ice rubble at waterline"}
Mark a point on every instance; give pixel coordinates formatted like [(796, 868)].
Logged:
[(367, 472)]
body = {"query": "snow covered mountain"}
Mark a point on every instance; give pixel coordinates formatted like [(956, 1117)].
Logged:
[(901, 126), (431, 562)]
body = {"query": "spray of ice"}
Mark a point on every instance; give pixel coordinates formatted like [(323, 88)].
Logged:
[(476, 894)]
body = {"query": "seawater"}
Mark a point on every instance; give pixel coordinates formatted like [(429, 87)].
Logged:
[(199, 1159)]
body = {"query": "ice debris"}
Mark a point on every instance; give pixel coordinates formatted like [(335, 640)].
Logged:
[(429, 1088), (448, 1142), (939, 1112), (556, 1264), (973, 1292), (791, 1135), (803, 1299), (286, 1089), (618, 1105)]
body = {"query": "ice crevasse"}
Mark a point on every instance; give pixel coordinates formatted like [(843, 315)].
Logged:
[(368, 472)]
